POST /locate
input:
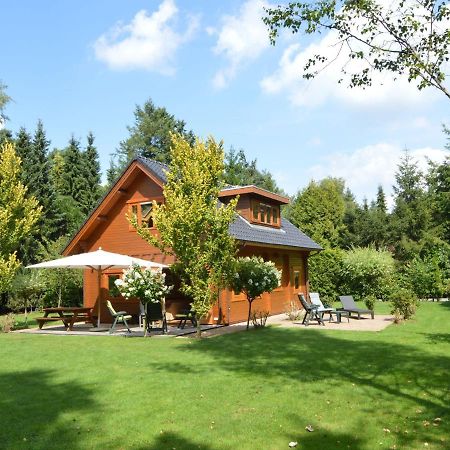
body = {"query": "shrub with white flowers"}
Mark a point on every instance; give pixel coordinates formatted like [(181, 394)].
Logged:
[(144, 284), (254, 276)]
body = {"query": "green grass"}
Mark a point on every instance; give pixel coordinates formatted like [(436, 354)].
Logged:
[(250, 390)]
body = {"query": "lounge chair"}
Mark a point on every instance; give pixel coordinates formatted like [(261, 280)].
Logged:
[(312, 312), (348, 304), (315, 300), (119, 317)]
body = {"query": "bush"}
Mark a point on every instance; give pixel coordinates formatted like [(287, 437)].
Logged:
[(370, 302), (368, 272), (292, 310), (259, 318), (404, 304), (324, 271), (7, 323)]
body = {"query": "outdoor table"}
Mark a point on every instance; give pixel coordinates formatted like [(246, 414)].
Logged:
[(68, 315), (339, 315)]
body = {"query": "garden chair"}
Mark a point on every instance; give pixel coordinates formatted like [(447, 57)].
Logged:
[(141, 314), (155, 314), (311, 312), (119, 317), (185, 315), (315, 300), (348, 304)]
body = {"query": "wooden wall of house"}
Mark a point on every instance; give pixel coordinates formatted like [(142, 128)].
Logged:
[(233, 308), (114, 233)]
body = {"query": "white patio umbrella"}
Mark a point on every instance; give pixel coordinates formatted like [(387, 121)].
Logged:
[(98, 260)]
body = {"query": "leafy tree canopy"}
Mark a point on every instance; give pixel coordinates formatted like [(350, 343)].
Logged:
[(18, 212), (191, 224), (403, 37)]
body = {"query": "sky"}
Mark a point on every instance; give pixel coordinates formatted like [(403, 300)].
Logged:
[(84, 66)]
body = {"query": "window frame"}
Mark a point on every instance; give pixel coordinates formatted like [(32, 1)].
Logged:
[(269, 212)]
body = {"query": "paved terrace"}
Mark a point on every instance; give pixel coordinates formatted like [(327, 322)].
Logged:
[(379, 323)]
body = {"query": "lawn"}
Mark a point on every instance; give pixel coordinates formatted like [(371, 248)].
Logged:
[(250, 390)]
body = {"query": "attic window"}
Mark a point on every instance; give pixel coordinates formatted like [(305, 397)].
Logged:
[(143, 213), (265, 214)]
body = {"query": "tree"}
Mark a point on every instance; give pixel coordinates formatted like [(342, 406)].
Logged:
[(318, 210), (402, 38), (411, 217), (254, 276), (91, 168), (192, 225), (18, 213), (4, 100), (240, 172), (150, 136)]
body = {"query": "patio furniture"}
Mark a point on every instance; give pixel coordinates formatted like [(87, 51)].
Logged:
[(339, 314), (315, 300), (312, 312), (68, 315), (141, 316), (183, 316), (155, 313), (349, 305), (119, 317)]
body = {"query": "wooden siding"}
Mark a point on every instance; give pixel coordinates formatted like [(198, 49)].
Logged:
[(114, 234)]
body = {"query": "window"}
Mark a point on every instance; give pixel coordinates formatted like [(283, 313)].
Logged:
[(266, 214), (143, 213), (296, 279)]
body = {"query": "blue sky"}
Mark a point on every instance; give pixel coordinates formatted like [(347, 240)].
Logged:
[(82, 66)]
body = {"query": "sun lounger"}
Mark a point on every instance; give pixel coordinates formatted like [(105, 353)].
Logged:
[(348, 304)]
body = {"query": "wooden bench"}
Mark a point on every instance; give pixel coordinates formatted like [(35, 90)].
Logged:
[(41, 320)]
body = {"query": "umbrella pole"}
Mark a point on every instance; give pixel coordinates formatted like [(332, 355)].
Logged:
[(99, 297)]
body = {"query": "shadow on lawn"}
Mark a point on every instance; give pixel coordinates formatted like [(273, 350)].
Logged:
[(172, 440), (383, 372), (38, 412)]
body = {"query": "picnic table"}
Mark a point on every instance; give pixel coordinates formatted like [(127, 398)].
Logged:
[(68, 315)]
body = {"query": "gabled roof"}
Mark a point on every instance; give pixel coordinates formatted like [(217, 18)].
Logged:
[(287, 235), (232, 191)]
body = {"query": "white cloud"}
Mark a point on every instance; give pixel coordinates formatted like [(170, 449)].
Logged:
[(240, 39), (149, 41), (366, 168), (385, 89)]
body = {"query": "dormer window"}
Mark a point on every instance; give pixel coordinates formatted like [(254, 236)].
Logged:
[(265, 214)]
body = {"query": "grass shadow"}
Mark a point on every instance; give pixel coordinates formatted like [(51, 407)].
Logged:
[(37, 410), (171, 440)]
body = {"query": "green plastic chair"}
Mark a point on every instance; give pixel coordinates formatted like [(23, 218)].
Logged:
[(119, 317)]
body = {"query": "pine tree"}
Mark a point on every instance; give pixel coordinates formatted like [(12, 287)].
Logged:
[(91, 168), (24, 149), (381, 200)]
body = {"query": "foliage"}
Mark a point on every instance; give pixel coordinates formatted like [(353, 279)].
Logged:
[(318, 210), (18, 213), (325, 270), (7, 322), (429, 277), (253, 276), (62, 287), (192, 225), (367, 271), (370, 301), (259, 318), (150, 136), (403, 38), (292, 310), (404, 304), (240, 172), (4, 100), (26, 291), (145, 284)]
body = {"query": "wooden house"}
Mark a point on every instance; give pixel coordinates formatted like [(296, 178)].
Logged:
[(259, 230)]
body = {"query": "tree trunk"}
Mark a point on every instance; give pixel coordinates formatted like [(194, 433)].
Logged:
[(199, 330), (250, 301)]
